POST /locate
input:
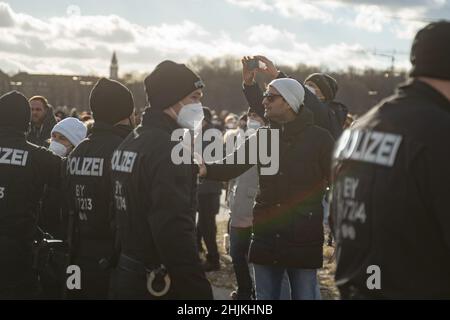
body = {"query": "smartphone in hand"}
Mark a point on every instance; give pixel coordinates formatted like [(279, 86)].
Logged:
[(253, 64)]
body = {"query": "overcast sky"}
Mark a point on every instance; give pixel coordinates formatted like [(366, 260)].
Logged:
[(79, 36)]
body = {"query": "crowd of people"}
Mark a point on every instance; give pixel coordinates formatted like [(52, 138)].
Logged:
[(101, 190)]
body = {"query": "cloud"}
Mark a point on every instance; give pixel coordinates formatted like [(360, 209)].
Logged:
[(261, 5), (369, 15), (83, 44), (290, 8), (409, 23), (268, 35), (395, 4), (6, 15), (371, 18), (304, 9)]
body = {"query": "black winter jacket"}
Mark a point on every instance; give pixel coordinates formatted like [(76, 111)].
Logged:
[(391, 197), (155, 203), (288, 213), (89, 189), (24, 171), (89, 194), (338, 114)]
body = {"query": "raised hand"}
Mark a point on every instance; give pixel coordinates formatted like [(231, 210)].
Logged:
[(248, 76), (269, 67)]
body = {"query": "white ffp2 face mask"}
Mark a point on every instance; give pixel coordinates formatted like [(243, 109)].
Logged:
[(58, 148), (190, 116), (253, 124)]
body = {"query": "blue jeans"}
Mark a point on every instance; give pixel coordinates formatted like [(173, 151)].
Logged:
[(303, 283), (239, 244)]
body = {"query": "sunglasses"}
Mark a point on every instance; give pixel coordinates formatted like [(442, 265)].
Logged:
[(270, 96)]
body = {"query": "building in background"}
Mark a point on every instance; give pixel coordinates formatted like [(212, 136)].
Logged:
[(114, 68), (71, 91)]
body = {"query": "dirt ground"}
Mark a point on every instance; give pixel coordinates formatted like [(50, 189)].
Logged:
[(225, 278)]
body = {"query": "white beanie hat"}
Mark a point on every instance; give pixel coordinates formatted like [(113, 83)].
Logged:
[(291, 90), (73, 129)]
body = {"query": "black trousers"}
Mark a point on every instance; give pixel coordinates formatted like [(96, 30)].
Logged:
[(208, 207), (18, 279), (239, 245)]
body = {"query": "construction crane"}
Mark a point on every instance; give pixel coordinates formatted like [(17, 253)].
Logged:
[(387, 55)]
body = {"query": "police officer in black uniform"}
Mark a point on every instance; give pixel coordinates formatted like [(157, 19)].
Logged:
[(24, 170), (89, 188), (390, 203), (155, 197)]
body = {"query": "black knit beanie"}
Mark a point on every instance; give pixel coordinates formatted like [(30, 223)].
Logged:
[(430, 52), (15, 111), (207, 114), (326, 83), (169, 83), (110, 101)]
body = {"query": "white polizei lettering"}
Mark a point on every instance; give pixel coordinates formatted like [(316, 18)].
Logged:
[(370, 155), (88, 167), (390, 146), (352, 144), (129, 161), (14, 157), (363, 146), (341, 144), (369, 146), (123, 161), (76, 171), (116, 155), (70, 166), (97, 166), (4, 158), (93, 170), (384, 150), (76, 164), (24, 159)]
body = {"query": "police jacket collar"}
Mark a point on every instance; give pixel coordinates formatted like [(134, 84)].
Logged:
[(158, 119), (11, 132), (119, 130), (424, 89)]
